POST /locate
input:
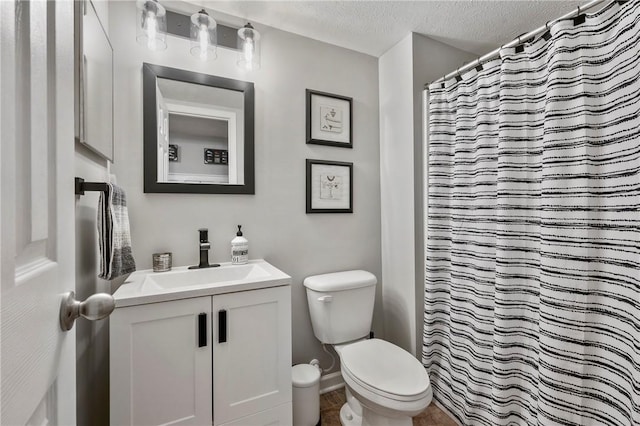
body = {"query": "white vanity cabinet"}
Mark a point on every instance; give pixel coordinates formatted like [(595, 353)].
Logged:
[(223, 360)]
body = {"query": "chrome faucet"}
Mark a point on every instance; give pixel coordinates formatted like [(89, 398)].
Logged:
[(204, 251)]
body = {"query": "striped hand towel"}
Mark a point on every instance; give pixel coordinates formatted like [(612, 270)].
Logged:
[(113, 234)]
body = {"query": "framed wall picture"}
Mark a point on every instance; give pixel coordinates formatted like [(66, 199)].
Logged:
[(329, 119), (329, 187)]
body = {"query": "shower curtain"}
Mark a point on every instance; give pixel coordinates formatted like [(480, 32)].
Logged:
[(532, 293)]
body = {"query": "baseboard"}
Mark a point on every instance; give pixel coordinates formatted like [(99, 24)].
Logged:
[(446, 411), (330, 382)]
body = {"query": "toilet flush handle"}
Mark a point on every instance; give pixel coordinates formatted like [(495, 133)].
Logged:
[(326, 299)]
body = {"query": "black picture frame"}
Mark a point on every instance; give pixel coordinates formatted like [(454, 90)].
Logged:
[(315, 188), (317, 136)]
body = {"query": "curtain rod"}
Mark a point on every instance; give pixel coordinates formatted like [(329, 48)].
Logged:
[(495, 53)]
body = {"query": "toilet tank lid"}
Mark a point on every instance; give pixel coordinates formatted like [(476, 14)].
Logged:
[(337, 281)]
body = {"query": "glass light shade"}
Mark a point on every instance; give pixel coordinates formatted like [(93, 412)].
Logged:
[(204, 36), (249, 48), (152, 25)]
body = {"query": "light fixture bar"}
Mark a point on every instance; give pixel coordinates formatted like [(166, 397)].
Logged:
[(179, 25)]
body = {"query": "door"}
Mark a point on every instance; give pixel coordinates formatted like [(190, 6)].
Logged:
[(36, 212), (160, 363), (163, 137), (251, 353)]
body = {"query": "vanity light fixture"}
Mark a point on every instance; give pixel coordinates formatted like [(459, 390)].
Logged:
[(203, 36), (204, 33), (152, 24), (249, 48)]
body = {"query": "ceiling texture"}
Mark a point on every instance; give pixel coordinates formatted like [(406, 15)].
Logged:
[(372, 27)]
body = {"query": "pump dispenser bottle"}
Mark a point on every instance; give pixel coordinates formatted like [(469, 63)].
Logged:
[(239, 248)]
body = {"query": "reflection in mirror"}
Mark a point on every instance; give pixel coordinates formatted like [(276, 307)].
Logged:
[(196, 139), (201, 138), (199, 122)]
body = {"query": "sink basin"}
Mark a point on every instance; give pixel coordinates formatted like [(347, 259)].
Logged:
[(180, 283), (197, 277)]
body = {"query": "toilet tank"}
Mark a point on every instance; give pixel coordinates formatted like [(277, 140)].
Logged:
[(341, 305)]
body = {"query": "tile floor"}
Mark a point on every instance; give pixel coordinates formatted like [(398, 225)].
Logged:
[(331, 402)]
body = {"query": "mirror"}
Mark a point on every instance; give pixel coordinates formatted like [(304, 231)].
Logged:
[(198, 132)]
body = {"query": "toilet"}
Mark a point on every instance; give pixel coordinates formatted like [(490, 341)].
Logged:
[(385, 385)]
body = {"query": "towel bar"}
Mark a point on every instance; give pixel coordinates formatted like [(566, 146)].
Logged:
[(82, 186)]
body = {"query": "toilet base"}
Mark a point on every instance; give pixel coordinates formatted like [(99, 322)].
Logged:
[(348, 417), (370, 418)]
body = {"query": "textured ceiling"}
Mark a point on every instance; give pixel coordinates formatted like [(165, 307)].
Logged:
[(373, 27)]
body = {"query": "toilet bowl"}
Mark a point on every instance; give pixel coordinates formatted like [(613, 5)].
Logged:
[(385, 385), (389, 383)]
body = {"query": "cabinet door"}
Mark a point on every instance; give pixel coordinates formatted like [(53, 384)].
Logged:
[(161, 363), (278, 416), (252, 363)]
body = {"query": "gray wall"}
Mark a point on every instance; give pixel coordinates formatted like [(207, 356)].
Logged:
[(191, 155), (273, 219), (92, 337)]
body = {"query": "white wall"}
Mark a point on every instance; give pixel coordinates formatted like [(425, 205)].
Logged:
[(403, 71), (273, 219), (396, 192)]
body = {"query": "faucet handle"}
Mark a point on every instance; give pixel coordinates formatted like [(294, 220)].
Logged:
[(204, 235)]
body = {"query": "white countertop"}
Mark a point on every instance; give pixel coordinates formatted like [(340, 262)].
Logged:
[(146, 286)]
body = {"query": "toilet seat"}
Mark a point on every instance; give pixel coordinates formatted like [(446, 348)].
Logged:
[(384, 406), (382, 369)]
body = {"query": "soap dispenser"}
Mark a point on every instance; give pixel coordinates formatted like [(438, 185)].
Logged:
[(239, 248)]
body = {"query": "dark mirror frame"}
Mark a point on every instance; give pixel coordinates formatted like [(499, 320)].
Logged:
[(150, 73)]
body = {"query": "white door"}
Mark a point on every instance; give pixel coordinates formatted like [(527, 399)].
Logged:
[(36, 212), (251, 354), (162, 114)]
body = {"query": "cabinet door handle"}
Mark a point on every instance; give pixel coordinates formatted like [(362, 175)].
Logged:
[(222, 326), (202, 330)]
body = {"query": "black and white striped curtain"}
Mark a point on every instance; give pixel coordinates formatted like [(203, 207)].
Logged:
[(532, 302)]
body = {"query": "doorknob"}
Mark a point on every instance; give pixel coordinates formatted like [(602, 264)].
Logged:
[(96, 307)]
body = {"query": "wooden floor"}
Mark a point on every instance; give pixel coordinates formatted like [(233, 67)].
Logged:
[(331, 402)]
